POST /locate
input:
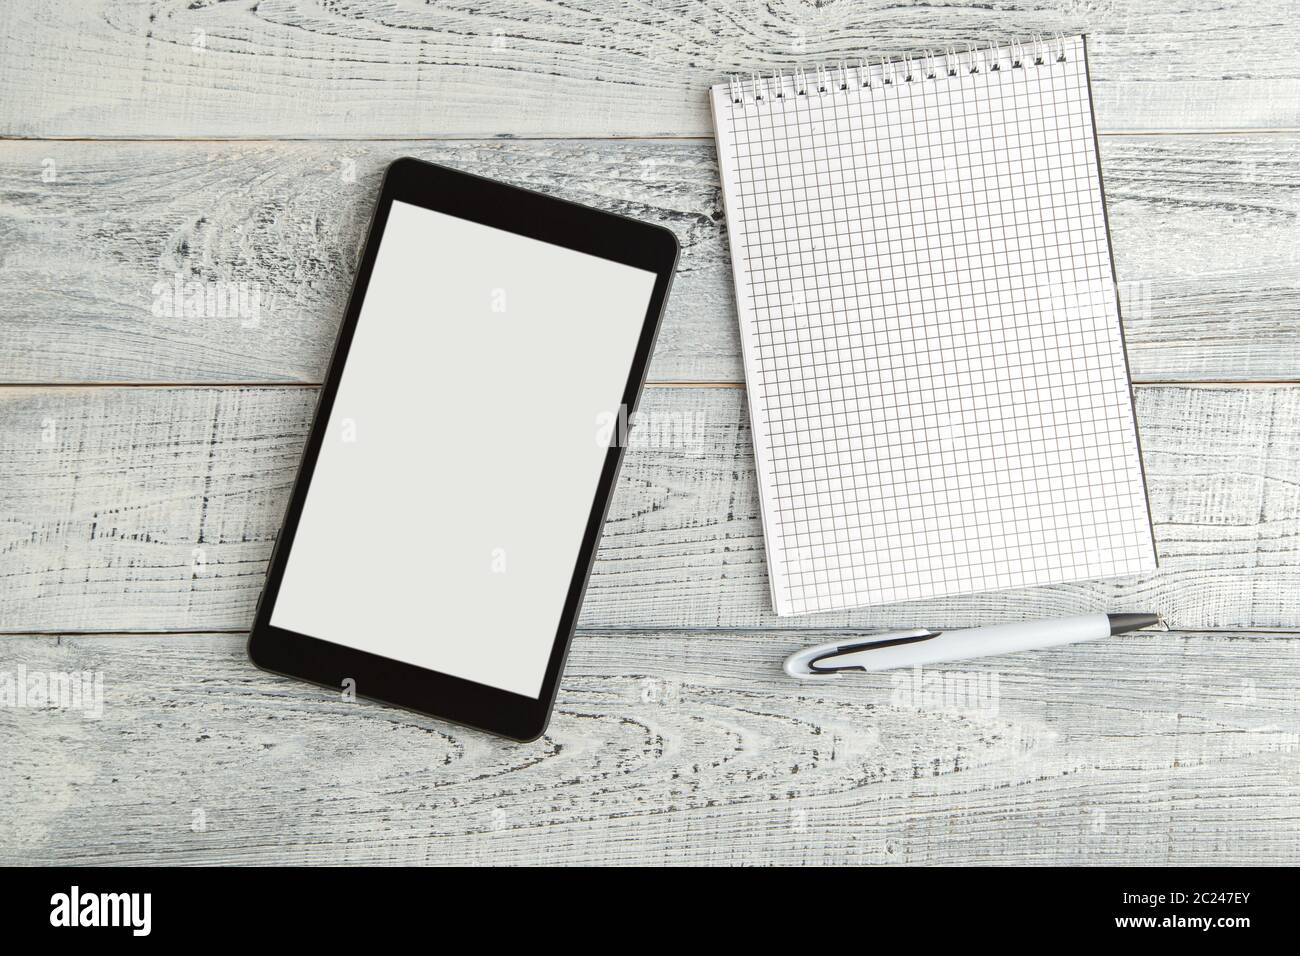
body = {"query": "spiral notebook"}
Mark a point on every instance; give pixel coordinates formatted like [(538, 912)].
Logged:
[(938, 387)]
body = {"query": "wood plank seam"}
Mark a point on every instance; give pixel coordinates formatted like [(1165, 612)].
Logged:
[(510, 138), (794, 632)]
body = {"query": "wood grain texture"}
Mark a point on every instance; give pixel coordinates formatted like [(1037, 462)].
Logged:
[(306, 68), (675, 739), (1204, 230), (671, 748), (142, 509)]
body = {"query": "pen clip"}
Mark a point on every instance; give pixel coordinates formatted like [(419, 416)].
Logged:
[(817, 663)]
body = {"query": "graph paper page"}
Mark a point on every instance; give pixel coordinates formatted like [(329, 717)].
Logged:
[(938, 388)]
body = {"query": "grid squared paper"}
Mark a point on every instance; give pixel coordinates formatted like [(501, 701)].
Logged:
[(938, 387)]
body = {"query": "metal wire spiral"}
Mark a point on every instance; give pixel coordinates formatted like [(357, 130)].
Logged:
[(991, 58)]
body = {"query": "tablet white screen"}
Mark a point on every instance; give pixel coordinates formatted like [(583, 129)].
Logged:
[(461, 458)]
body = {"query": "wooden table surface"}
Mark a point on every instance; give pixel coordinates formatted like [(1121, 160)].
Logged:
[(146, 458)]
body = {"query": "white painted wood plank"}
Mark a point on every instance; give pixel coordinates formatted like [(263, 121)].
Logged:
[(1204, 231), (154, 509), (671, 748), (101, 68)]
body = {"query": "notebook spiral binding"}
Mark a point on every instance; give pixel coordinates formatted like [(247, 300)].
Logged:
[(992, 58)]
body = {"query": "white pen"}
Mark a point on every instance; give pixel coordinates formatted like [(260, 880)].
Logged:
[(920, 646)]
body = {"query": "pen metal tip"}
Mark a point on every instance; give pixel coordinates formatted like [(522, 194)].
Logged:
[(1123, 623)]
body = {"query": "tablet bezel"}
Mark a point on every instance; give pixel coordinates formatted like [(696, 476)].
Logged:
[(524, 213)]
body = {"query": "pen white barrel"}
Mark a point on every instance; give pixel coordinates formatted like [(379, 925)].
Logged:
[(981, 642)]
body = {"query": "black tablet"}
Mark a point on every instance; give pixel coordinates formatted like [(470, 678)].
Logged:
[(464, 451)]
